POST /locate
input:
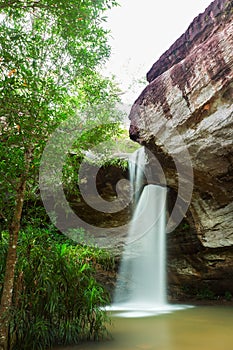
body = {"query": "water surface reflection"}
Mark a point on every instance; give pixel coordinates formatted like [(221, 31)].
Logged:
[(199, 328)]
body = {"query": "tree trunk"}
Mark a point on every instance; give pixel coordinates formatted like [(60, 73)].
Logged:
[(7, 293)]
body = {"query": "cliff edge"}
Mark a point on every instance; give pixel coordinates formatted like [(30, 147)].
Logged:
[(185, 115)]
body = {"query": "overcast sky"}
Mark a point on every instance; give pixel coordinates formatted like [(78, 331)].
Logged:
[(142, 30)]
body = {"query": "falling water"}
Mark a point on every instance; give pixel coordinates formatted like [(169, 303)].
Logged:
[(142, 279), (141, 284), (136, 172)]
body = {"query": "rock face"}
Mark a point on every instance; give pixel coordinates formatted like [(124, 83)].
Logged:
[(185, 118)]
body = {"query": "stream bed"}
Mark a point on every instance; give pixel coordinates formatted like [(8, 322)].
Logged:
[(198, 328)]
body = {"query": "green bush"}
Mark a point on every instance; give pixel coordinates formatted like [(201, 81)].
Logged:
[(228, 296), (56, 297), (3, 251), (206, 294)]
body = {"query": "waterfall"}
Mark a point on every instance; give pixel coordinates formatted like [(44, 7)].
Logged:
[(142, 277), (141, 283), (136, 173)]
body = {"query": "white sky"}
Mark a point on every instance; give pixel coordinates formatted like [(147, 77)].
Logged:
[(142, 30)]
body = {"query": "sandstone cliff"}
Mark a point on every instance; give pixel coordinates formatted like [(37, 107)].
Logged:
[(185, 116)]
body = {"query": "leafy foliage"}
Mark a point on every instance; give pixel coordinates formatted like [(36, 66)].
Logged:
[(113, 149), (48, 72), (49, 54), (56, 297), (3, 252)]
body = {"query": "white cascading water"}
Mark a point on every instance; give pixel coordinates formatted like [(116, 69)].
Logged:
[(141, 283), (136, 172), (142, 277)]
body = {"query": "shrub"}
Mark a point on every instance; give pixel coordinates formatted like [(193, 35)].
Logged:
[(56, 297), (3, 252)]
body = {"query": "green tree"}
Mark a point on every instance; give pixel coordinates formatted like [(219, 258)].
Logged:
[(48, 59)]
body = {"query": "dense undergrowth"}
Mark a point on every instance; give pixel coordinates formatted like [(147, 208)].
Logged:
[(57, 299)]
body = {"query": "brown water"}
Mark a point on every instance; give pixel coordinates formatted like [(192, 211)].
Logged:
[(199, 328)]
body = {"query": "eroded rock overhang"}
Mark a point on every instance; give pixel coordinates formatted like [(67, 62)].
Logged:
[(187, 105)]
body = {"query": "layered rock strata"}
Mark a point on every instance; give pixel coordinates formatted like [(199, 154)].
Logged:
[(185, 118)]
